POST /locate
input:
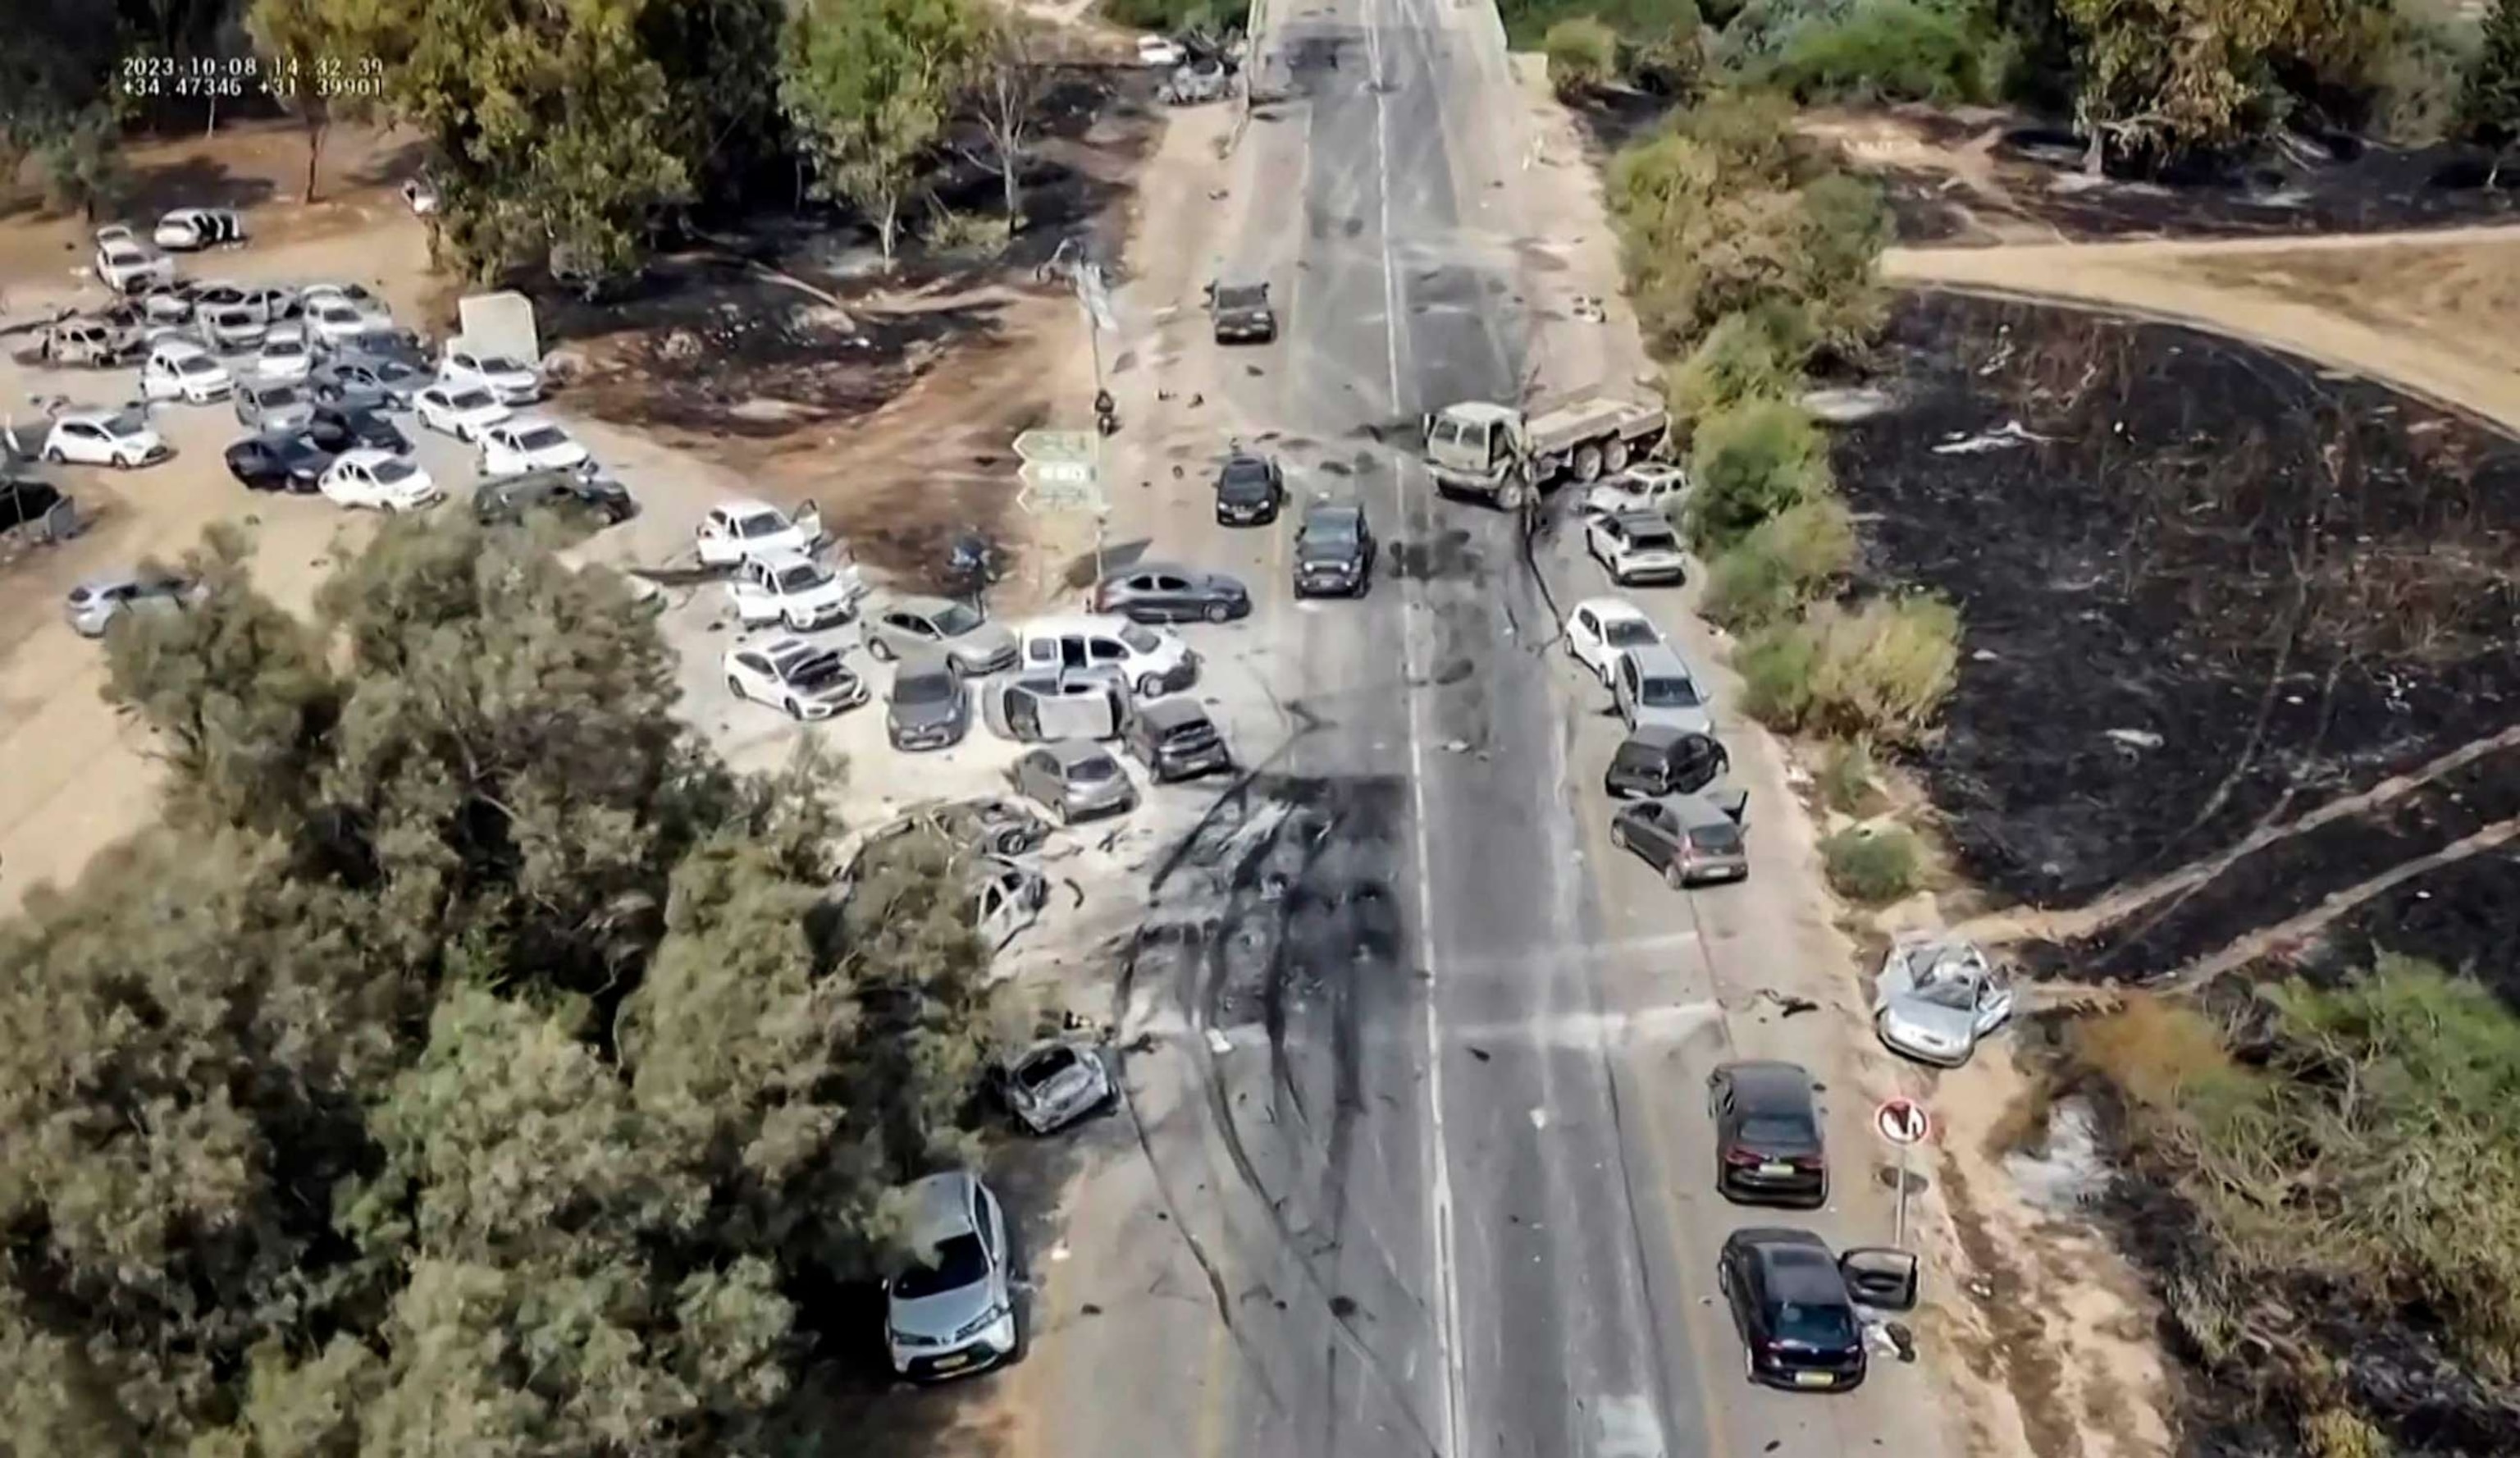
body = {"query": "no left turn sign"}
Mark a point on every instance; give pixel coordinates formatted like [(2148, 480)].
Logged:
[(1903, 1121)]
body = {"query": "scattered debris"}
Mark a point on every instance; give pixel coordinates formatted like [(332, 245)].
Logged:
[(1588, 310), (2004, 437), (1787, 1004), (1089, 1310), (1218, 1043), (1479, 1053), (2137, 739)]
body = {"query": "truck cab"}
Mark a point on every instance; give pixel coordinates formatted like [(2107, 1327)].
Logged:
[(1474, 448)]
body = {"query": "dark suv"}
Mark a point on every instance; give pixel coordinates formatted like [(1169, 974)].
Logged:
[(1175, 740), (508, 498), (1333, 551)]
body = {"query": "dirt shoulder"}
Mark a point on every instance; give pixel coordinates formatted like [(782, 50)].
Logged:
[(2433, 314)]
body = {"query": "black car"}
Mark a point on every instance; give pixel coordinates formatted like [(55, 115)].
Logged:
[(1659, 759), (1162, 592), (1791, 1304), (1241, 314), (1175, 740), (1333, 551), (1767, 1141), (508, 498), (339, 429), (1249, 491), (291, 462)]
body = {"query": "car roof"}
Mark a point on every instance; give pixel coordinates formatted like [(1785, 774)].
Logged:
[(1801, 1271), (1693, 811), (1611, 606), (124, 577), (1075, 750), (1643, 518), (1772, 1084), (1660, 661), (1077, 623), (940, 1208), (367, 455), (93, 415), (526, 422), (743, 506), (779, 562), (1178, 569), (1172, 714), (925, 606), (1659, 737)]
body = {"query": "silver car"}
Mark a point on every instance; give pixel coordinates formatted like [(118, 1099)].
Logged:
[(1935, 998), (1078, 779), (969, 641), (274, 406), (93, 605), (1054, 1084), (1006, 898), (950, 1311), (1653, 685), (928, 707), (1687, 837)]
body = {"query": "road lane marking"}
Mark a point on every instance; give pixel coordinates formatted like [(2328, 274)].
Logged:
[(1585, 1032), (1625, 1428)]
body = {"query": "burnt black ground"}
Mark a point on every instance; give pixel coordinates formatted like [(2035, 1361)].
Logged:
[(2300, 584)]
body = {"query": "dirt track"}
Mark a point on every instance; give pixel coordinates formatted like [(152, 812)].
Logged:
[(2432, 346)]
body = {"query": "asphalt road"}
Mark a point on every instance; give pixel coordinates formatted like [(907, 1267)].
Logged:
[(1415, 1158)]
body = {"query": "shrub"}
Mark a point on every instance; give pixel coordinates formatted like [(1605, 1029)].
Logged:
[(2417, 77), (1671, 60), (1757, 353), (1750, 132), (1871, 866), (1527, 22), (1762, 31), (1845, 779), (1582, 55), (2488, 98), (1172, 16), (1886, 50), (1747, 464), (1881, 671), (1783, 563), (1833, 262)]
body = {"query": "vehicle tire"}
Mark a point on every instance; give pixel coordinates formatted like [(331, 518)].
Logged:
[(1674, 877), (53, 453), (734, 686), (1618, 835), (882, 650), (1509, 496), (1614, 456), (1151, 687), (1588, 464), (1217, 613), (795, 711)]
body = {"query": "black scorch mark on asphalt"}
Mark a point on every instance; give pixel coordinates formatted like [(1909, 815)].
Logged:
[(1446, 555)]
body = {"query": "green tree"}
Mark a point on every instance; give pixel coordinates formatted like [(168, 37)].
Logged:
[(82, 160), (1754, 461), (869, 86), (1582, 55), (299, 39), (2489, 102), (1008, 73), (2160, 78)]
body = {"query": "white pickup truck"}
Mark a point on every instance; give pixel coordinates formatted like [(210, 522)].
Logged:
[(1499, 452)]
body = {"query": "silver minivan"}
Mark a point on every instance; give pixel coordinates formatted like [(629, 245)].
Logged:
[(1653, 685)]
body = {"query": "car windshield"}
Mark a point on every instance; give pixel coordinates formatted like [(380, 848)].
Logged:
[(1827, 1327), (1046, 1066), (1629, 632), (543, 437), (924, 688), (337, 312), (125, 425), (802, 577), (278, 395), (1091, 771), (958, 1263), (1140, 639), (1651, 540), (390, 472), (1773, 1132), (500, 364), (284, 347), (1716, 840), (1245, 477), (956, 620), (471, 399), (761, 524), (1670, 692), (1244, 297), (1191, 736), (196, 364), (1330, 529), (1949, 993)]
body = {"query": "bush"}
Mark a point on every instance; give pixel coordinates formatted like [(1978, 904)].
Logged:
[(1832, 267), (1871, 866), (1886, 50), (1671, 61), (1845, 779), (1749, 463), (1762, 31), (1758, 354), (1639, 22), (2417, 79), (1170, 16), (1784, 563), (2488, 98), (1582, 55), (1749, 131), (1880, 670)]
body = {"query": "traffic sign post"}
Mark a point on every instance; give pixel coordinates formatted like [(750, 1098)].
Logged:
[(1904, 1124), (1062, 470)]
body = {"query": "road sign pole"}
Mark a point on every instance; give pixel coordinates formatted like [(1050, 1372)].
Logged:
[(1899, 1230)]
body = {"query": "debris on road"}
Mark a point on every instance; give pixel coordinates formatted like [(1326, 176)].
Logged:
[(1218, 1043), (2004, 437), (2137, 739), (1787, 1004)]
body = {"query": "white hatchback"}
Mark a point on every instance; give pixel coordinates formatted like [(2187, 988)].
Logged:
[(104, 438), (1603, 628), (519, 444), (743, 529), (371, 477), (180, 371), (462, 411)]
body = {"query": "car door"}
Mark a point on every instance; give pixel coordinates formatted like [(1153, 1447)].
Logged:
[(1720, 1108), (756, 595), (1655, 832), (83, 441), (1623, 693), (1994, 1002), (754, 671), (1586, 638), (1037, 777), (1104, 652), (1175, 599), (1741, 1289), (1882, 1278)]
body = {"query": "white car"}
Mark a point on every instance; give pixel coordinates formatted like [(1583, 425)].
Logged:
[(1638, 488), (177, 370), (234, 328), (523, 443), (743, 529), (357, 298), (116, 232), (104, 438), (462, 411), (127, 266), (1935, 998), (334, 321), (1159, 52), (1153, 662), (806, 679), (511, 382), (371, 477), (1637, 547), (1602, 628), (188, 228), (796, 590), (285, 356)]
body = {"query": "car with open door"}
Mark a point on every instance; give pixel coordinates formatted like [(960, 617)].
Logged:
[(1040, 705), (1054, 1084), (1769, 1145), (1796, 1305), (1660, 759), (742, 529), (1936, 997)]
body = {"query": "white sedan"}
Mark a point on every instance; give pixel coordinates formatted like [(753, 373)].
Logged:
[(515, 447), (104, 438), (796, 590), (126, 265), (1602, 628), (511, 382), (806, 679), (358, 298), (460, 411), (285, 357), (334, 320), (741, 531), (188, 228), (1649, 488), (379, 478)]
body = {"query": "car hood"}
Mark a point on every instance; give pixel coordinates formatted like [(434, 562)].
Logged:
[(943, 1314), (1935, 1023), (927, 715)]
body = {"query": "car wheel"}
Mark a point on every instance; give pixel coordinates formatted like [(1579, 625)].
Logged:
[(1218, 612), (795, 711), (1618, 835), (53, 453), (1588, 464), (1614, 456), (1149, 687), (1675, 876), (734, 686), (882, 649)]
